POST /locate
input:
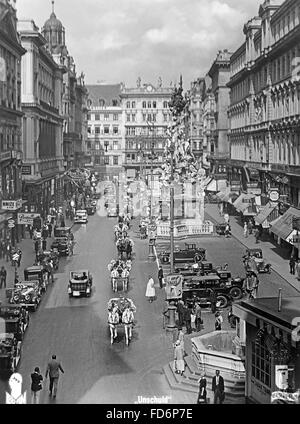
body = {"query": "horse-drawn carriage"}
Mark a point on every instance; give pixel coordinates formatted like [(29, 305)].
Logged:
[(121, 231), (119, 273), (124, 246), (121, 311)]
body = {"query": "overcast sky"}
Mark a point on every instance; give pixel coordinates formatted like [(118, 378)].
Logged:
[(118, 40)]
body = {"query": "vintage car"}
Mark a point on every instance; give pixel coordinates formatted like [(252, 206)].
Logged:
[(200, 287), (16, 319), (26, 293), (62, 232), (81, 216), (36, 273), (191, 253), (50, 255), (61, 245), (80, 283), (112, 211), (220, 228), (259, 265), (90, 209), (10, 352)]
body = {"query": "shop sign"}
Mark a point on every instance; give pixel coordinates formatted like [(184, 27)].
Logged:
[(273, 195), (11, 205), (27, 218), (296, 223), (256, 191), (5, 156), (26, 170), (285, 397), (173, 286)]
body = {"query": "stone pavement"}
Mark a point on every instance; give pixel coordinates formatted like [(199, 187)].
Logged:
[(272, 253)]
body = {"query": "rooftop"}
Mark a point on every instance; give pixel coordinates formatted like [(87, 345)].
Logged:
[(106, 92)]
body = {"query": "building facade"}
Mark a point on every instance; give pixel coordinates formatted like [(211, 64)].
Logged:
[(11, 52), (264, 104), (209, 108), (42, 141), (105, 141), (146, 117)]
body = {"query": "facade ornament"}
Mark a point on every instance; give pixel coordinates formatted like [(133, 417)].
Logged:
[(159, 83), (138, 82)]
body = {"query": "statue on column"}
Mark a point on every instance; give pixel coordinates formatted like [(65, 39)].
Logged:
[(138, 82), (159, 83)]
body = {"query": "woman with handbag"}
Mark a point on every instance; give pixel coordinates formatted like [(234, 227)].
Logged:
[(36, 385)]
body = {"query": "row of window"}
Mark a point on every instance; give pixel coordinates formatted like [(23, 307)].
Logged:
[(284, 25), (105, 130), (105, 116), (106, 160), (150, 104)]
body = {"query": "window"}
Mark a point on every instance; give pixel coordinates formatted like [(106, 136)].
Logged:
[(133, 105), (89, 130), (115, 116), (154, 105), (166, 104), (153, 117), (149, 117), (97, 117), (144, 117), (106, 160), (106, 117), (101, 102), (97, 160), (88, 145), (116, 160), (133, 117), (128, 117), (106, 129), (149, 105), (115, 130), (127, 105), (261, 363), (97, 146), (88, 116), (97, 130), (116, 145), (144, 105), (115, 102)]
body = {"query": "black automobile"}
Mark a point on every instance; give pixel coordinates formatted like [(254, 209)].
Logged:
[(90, 209), (60, 232), (220, 228), (36, 273), (191, 253), (16, 319), (80, 283), (50, 255), (200, 288), (10, 352), (61, 245)]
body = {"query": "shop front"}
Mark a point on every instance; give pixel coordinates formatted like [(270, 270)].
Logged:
[(271, 345)]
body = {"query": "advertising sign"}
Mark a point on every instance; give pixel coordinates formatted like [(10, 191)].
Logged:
[(281, 376), (274, 195), (27, 218), (11, 205), (173, 286), (296, 223)]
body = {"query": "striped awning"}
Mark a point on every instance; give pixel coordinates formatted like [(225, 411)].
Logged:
[(212, 185), (266, 215), (243, 201), (283, 226)]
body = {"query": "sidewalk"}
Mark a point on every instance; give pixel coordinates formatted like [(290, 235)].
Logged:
[(279, 264), (28, 256)]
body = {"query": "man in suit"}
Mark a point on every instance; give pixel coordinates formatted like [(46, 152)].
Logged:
[(53, 369), (160, 276), (218, 387)]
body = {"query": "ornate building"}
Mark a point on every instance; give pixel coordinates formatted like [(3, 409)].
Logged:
[(42, 82), (104, 149), (209, 108), (11, 52), (264, 105), (146, 117), (74, 92)]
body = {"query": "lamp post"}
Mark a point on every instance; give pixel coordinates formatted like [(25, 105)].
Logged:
[(172, 149)]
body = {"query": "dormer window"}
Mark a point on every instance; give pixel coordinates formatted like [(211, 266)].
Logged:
[(101, 102), (115, 102)]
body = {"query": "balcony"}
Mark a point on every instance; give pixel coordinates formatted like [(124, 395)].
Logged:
[(48, 107)]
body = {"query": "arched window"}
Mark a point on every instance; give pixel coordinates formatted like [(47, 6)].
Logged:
[(115, 102), (165, 104), (149, 105), (144, 105), (128, 105)]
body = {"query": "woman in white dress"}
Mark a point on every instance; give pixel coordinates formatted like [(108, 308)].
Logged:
[(150, 291), (178, 358)]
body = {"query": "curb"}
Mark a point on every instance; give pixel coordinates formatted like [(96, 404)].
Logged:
[(243, 244)]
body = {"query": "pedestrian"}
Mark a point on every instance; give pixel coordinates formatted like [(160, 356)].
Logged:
[(180, 337), (187, 318), (218, 388), (50, 229), (1, 249), (160, 277), (178, 358), (71, 248), (198, 316), (8, 252), (44, 244), (213, 301), (202, 390), (257, 233), (19, 251), (53, 369), (245, 229), (36, 385), (297, 269), (3, 275), (193, 319), (218, 321), (227, 230), (250, 226), (180, 312), (150, 291), (292, 265), (31, 231), (45, 231)]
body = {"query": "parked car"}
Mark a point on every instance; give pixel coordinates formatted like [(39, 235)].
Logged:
[(81, 217), (200, 287), (50, 254), (259, 263), (112, 211), (191, 253), (220, 229), (62, 232), (10, 352), (80, 283), (61, 245), (27, 294), (16, 319), (91, 209), (36, 273)]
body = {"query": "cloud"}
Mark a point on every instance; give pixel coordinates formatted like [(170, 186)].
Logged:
[(121, 39)]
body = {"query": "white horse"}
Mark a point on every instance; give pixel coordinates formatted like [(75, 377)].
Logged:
[(128, 264), (114, 279), (125, 276), (128, 320), (111, 265), (113, 321)]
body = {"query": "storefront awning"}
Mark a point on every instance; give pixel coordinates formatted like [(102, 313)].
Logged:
[(283, 226), (267, 214), (212, 186), (206, 181), (241, 202)]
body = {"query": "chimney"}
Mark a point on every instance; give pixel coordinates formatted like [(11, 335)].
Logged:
[(279, 300)]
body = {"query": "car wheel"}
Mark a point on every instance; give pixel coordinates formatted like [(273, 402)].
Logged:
[(223, 301), (236, 293)]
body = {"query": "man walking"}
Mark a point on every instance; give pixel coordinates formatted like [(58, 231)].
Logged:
[(160, 277), (292, 265), (3, 275), (53, 369), (50, 229), (198, 317), (188, 319), (180, 312), (218, 388)]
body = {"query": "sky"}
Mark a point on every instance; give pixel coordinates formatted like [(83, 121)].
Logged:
[(116, 41)]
